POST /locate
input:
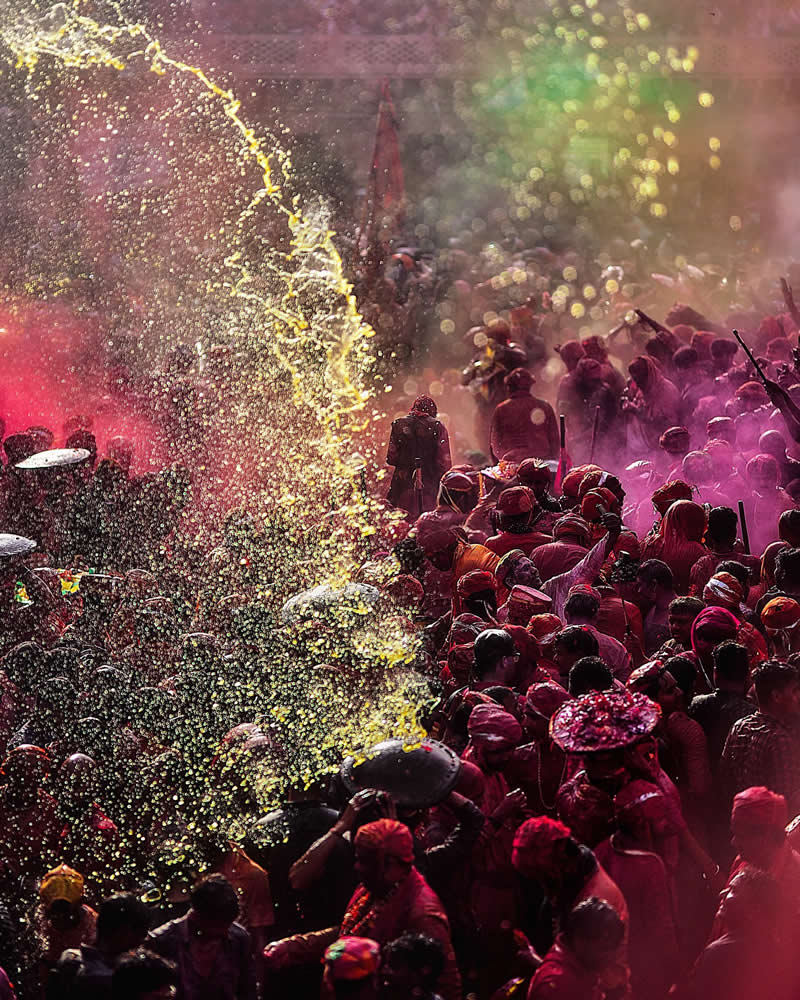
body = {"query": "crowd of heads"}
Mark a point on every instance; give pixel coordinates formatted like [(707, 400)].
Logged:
[(595, 628)]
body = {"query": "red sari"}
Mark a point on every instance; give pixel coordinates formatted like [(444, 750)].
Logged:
[(679, 541)]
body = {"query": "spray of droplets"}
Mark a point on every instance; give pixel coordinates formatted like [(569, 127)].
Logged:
[(585, 128), (197, 239)]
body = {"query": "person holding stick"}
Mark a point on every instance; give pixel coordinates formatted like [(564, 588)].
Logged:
[(419, 450), (779, 397)]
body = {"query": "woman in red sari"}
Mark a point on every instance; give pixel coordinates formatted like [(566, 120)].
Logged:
[(678, 542)]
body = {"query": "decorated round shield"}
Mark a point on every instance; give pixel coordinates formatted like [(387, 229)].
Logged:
[(416, 775), (603, 720), (56, 458), (15, 545)]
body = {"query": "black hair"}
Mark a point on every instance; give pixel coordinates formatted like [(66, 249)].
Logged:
[(418, 952), (214, 897), (24, 665), (490, 647), (722, 348), (789, 522), (684, 672), (656, 571), (590, 673), (141, 972), (581, 605), (411, 557), (787, 569), (723, 524), (517, 524), (498, 693), (773, 676), (578, 639), (597, 919), (737, 570), (685, 357), (120, 911), (731, 661), (687, 605), (481, 603)]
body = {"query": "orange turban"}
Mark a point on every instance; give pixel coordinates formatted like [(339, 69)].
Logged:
[(352, 958), (61, 883), (780, 612), (387, 835)]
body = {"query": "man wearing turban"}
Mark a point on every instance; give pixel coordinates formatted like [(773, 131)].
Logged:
[(392, 898)]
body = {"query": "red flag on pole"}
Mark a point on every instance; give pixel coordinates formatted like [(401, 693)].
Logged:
[(386, 193), (564, 461)]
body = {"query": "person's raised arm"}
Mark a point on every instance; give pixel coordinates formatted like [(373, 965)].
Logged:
[(789, 409), (587, 570), (309, 868)]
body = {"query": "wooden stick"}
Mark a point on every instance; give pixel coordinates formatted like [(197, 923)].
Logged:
[(749, 354), (652, 323), (743, 522), (594, 433)]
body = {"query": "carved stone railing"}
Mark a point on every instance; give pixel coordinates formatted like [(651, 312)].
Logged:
[(334, 55), (351, 56)]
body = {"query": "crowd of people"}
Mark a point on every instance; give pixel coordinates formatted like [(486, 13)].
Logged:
[(604, 609)]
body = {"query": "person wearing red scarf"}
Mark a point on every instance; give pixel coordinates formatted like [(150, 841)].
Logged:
[(679, 542), (493, 736)]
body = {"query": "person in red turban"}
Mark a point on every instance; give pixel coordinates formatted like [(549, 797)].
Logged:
[(571, 538), (523, 426), (392, 898), (538, 766), (765, 503), (675, 443), (632, 861), (493, 735), (536, 475), (545, 852), (517, 513)]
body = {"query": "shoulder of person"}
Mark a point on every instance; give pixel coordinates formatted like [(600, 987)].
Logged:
[(240, 934), (166, 934)]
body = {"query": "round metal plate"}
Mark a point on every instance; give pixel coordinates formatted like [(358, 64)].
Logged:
[(15, 545), (415, 775), (55, 458)]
